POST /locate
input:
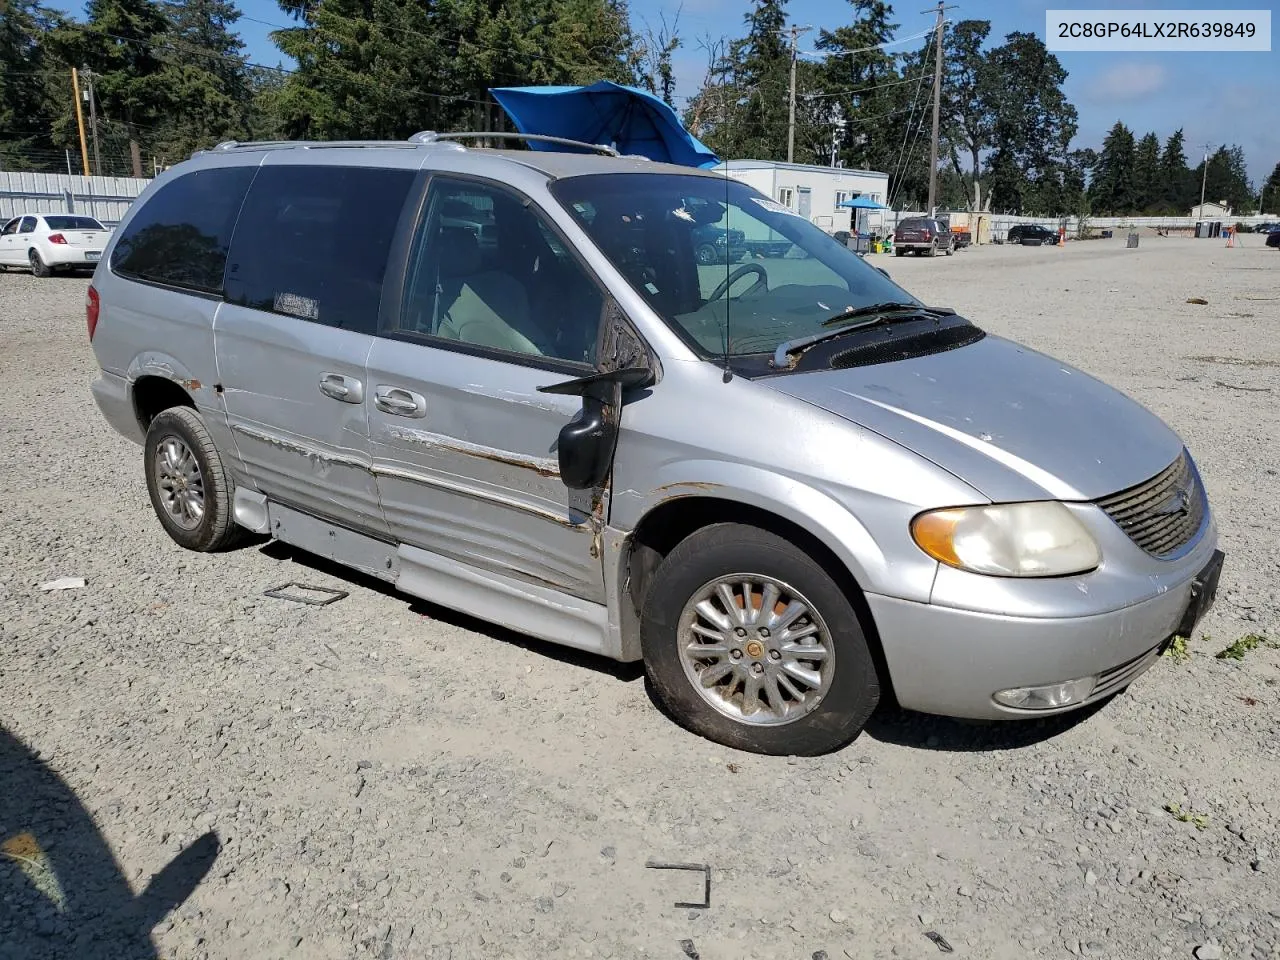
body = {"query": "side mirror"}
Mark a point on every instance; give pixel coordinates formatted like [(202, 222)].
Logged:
[(586, 445)]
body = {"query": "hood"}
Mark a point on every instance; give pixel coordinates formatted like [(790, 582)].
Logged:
[(1009, 421)]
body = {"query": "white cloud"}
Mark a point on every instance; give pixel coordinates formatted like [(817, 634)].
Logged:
[(1127, 81)]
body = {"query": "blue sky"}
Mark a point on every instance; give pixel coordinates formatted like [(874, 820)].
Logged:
[(1216, 98)]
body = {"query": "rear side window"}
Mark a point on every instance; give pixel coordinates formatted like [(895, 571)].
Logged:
[(313, 242), (180, 236)]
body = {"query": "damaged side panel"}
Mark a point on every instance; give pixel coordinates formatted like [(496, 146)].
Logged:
[(477, 479), (299, 446)]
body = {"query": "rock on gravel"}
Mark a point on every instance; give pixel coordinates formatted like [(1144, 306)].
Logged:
[(169, 701)]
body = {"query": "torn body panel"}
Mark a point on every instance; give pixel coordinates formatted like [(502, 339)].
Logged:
[(477, 478)]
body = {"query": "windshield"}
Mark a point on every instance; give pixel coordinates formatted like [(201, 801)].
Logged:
[(72, 223), (708, 252)]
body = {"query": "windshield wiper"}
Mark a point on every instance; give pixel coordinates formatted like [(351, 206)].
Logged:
[(874, 312)]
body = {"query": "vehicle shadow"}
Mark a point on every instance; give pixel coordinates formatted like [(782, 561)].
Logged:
[(62, 893), (624, 672), (906, 728)]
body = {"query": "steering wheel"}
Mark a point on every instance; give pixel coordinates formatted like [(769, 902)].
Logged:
[(733, 278)]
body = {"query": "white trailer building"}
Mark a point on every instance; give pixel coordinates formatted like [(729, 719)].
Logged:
[(813, 192)]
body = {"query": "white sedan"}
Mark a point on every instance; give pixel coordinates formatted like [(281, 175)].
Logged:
[(48, 241)]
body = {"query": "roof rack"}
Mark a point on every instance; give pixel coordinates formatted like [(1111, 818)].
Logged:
[(306, 144), (430, 136)]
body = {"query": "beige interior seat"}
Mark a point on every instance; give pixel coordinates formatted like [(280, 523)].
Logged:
[(482, 306)]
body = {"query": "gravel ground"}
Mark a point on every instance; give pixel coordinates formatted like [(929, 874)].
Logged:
[(385, 778)]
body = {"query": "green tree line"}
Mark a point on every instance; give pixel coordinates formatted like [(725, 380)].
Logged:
[(171, 76)]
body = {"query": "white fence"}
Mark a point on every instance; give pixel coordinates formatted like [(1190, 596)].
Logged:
[(999, 223), (104, 198)]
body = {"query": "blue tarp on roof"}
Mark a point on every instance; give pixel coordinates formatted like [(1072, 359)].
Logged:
[(627, 118)]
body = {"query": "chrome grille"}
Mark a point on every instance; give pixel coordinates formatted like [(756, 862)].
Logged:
[(1163, 514)]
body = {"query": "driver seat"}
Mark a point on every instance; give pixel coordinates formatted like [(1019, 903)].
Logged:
[(484, 307)]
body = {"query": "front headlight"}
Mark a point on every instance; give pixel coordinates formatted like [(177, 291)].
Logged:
[(1041, 539)]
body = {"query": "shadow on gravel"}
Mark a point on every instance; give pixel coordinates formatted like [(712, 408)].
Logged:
[(626, 672), (62, 894), (905, 728)]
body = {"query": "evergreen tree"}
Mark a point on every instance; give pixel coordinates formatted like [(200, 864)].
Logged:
[(1113, 192), (1227, 180), (1176, 196), (28, 86), (124, 43), (855, 78), (1270, 199), (206, 78), (1146, 175)]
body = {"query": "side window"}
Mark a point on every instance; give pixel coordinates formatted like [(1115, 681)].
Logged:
[(28, 225), (313, 241), (488, 270), (180, 236), (10, 228)]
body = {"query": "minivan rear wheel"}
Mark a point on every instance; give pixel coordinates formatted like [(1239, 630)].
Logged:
[(188, 483), (749, 642)]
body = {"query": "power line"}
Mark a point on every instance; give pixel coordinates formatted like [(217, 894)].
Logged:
[(874, 46)]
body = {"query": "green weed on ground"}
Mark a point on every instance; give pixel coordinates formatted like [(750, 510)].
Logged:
[(1246, 644), (1199, 820), (1177, 650)]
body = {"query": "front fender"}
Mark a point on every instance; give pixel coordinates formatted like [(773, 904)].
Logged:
[(903, 571)]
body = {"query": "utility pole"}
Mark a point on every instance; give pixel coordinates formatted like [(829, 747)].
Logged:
[(791, 120), (937, 107), (75, 92), (93, 119), (1204, 178)]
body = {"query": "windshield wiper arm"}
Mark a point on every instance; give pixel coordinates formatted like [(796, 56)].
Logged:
[(888, 306), (875, 313)]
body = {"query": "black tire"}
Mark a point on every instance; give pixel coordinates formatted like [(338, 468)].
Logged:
[(38, 267), (216, 529), (706, 254), (899, 252), (727, 548)]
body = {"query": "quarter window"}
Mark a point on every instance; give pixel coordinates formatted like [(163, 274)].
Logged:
[(180, 236), (312, 242), (486, 269)]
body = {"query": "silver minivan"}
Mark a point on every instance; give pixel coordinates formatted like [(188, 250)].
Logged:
[(504, 381)]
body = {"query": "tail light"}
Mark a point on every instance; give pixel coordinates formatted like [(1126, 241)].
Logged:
[(57, 238), (91, 306), (928, 235)]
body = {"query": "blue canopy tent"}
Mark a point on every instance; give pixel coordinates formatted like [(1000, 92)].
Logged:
[(627, 118), (860, 207), (863, 203)]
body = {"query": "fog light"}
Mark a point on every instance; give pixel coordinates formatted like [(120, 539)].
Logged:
[(1048, 696)]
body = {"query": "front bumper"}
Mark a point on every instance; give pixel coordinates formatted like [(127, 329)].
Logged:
[(950, 661)]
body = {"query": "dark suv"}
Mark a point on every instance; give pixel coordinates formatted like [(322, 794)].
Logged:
[(713, 244), (1031, 235), (922, 235)]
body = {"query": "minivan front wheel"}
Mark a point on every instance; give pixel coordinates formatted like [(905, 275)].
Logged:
[(749, 642), (188, 484)]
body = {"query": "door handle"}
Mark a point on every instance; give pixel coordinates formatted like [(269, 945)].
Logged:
[(399, 402), (346, 389)]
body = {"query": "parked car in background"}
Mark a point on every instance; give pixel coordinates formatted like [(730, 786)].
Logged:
[(784, 487), (922, 235), (1031, 235), (715, 244), (45, 242), (1273, 239)]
